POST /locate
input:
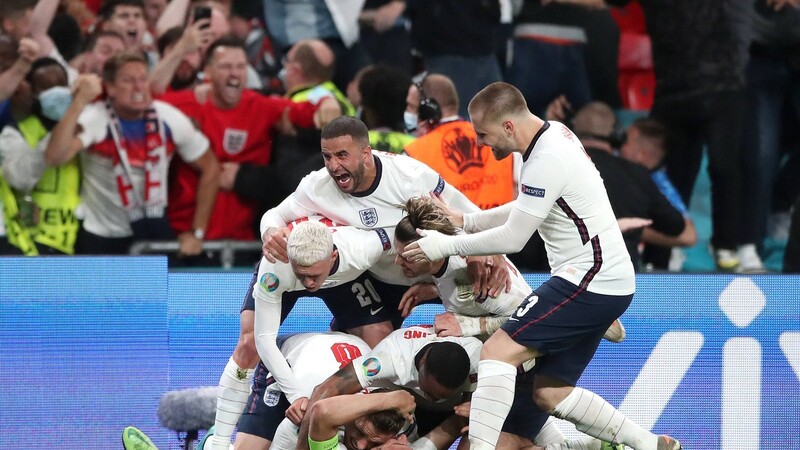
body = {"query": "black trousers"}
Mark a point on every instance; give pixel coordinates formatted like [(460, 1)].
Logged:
[(714, 121)]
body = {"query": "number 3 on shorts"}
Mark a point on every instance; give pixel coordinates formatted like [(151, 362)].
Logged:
[(527, 305)]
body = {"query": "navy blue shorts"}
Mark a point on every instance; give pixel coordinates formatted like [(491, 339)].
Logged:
[(265, 409), (363, 301), (525, 418), (566, 324)]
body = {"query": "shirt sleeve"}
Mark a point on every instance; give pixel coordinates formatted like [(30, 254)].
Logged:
[(437, 185), (289, 209), (378, 368), (93, 123), (268, 292), (191, 143), (490, 218), (542, 184), (300, 114), (22, 166), (364, 248), (510, 237)]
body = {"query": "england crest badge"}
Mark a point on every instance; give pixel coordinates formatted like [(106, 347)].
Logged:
[(369, 217)]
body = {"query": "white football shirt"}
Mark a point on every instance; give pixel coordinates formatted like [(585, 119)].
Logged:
[(398, 179), (358, 251), (560, 184), (391, 362), (457, 294)]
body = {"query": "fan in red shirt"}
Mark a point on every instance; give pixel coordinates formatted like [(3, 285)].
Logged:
[(239, 124)]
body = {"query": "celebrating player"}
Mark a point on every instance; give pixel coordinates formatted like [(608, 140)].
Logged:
[(561, 195)]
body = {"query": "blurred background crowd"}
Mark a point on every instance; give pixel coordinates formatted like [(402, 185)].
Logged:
[(142, 126)]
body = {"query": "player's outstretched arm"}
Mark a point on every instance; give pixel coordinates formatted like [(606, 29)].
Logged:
[(343, 382), (327, 415)]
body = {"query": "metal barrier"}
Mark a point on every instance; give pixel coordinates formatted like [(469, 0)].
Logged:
[(227, 248)]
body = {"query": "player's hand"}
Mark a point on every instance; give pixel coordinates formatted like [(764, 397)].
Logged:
[(446, 324), (297, 410), (28, 50), (201, 92), (632, 223), (415, 295), (455, 217), (329, 109), (404, 403), (499, 275), (189, 245), (195, 37), (275, 242), (559, 109), (778, 5), (227, 177), (489, 276), (430, 247), (462, 409), (86, 88)]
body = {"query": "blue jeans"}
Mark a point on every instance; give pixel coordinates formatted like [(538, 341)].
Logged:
[(771, 84), (543, 71)]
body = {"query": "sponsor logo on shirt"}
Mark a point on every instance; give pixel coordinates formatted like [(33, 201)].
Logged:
[(384, 237), (371, 366), (369, 217), (532, 191), (269, 282), (233, 140)]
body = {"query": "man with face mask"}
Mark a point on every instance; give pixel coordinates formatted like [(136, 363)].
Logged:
[(39, 203)]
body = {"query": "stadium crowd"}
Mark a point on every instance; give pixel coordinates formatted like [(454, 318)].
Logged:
[(408, 69), (495, 119)]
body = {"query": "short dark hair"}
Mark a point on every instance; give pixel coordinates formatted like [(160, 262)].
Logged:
[(9, 9), (383, 92), (40, 64), (447, 362), (388, 421), (346, 126), (224, 41), (94, 37), (112, 66), (109, 6)]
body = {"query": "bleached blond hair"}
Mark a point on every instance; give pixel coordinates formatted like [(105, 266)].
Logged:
[(309, 243)]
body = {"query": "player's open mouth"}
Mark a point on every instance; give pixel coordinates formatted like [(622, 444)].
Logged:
[(342, 179), (138, 97), (133, 34), (233, 83)]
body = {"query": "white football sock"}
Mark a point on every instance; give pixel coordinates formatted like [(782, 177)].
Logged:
[(491, 403), (587, 443), (235, 384), (549, 434), (596, 417)]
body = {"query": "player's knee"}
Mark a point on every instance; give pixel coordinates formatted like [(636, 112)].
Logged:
[(246, 354), (548, 397), (491, 350)]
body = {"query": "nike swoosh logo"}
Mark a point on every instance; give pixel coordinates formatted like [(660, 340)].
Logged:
[(375, 311), (515, 320)]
